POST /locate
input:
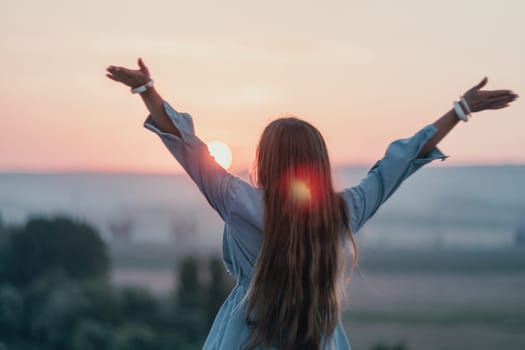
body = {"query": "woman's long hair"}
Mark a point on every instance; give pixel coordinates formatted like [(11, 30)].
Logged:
[(294, 299)]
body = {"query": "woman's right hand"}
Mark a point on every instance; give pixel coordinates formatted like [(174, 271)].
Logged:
[(130, 77)]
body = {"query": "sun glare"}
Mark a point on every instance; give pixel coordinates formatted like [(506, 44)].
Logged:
[(221, 152)]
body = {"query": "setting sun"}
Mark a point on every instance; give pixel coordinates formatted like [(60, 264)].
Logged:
[(221, 152)]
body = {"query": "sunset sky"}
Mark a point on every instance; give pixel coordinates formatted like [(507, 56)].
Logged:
[(364, 72)]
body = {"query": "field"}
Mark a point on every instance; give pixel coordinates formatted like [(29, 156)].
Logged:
[(430, 299)]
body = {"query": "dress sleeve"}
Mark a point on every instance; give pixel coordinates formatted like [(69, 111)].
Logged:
[(399, 162), (192, 153)]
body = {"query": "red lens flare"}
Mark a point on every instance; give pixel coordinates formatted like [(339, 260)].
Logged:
[(300, 190), (303, 186)]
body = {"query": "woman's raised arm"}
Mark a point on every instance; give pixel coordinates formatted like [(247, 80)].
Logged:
[(404, 157), (177, 132), (478, 100), (154, 103)]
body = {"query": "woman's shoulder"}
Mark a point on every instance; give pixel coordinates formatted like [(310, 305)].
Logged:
[(247, 202), (244, 191)]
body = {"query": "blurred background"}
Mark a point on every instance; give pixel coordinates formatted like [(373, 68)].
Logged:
[(106, 244)]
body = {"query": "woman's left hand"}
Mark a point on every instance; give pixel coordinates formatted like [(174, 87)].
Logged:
[(480, 100)]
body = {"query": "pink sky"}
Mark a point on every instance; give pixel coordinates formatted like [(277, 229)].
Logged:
[(365, 73)]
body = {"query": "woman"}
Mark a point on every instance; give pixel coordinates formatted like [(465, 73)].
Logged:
[(283, 238)]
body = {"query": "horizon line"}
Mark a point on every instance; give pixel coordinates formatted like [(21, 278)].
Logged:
[(246, 171)]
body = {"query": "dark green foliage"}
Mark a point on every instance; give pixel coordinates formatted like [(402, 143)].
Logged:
[(134, 337), (138, 305), (3, 250), (89, 335), (190, 306), (382, 346), (44, 245), (197, 301), (2, 225), (218, 289), (190, 286), (55, 295), (11, 309), (104, 303), (55, 317)]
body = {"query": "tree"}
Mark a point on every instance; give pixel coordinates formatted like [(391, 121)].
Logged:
[(191, 289), (11, 309), (104, 302), (55, 317), (219, 287), (2, 226), (89, 335), (46, 244), (134, 337), (3, 250), (138, 305), (191, 301)]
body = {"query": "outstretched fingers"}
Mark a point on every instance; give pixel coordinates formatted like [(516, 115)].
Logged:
[(114, 71), (501, 100), (118, 74), (503, 97), (500, 92), (118, 70), (481, 84), (499, 105), (112, 77), (143, 66)]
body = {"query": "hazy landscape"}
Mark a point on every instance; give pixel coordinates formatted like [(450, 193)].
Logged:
[(442, 264)]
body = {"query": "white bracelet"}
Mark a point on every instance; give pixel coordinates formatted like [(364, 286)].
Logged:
[(459, 112), (465, 104), (141, 89)]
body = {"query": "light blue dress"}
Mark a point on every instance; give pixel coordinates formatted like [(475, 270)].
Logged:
[(240, 206)]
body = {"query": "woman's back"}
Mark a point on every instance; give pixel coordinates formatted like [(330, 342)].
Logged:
[(242, 241), (241, 206)]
